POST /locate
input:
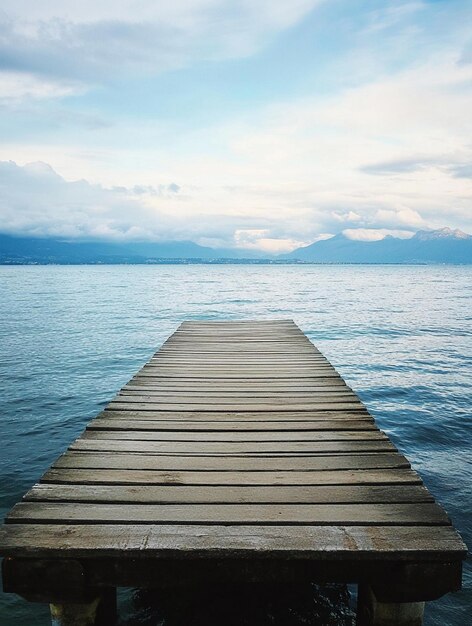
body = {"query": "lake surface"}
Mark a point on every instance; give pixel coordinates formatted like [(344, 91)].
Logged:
[(400, 336)]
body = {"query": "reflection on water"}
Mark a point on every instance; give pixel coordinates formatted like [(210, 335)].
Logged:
[(401, 336)]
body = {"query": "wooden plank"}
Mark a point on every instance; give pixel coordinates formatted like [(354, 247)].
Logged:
[(219, 448), (237, 359), (250, 333), (223, 386), (330, 391), (178, 351), (290, 358), (240, 344), (239, 338), (236, 399), (43, 492), (117, 460), (276, 366), (283, 326), (324, 384), (224, 328), (185, 358), (238, 323), (228, 401), (240, 378), (243, 342), (312, 406), (272, 383), (423, 514), (239, 350), (234, 358), (118, 422), (244, 363), (336, 543), (291, 380), (274, 330), (267, 417), (277, 334), (320, 393), (143, 395), (236, 478), (235, 436), (147, 386), (314, 377), (197, 371), (228, 336)]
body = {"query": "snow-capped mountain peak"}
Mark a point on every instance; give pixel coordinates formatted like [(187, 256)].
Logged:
[(441, 233)]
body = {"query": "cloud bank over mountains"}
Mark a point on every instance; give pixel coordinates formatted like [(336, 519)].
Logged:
[(258, 125), (444, 246), (36, 201)]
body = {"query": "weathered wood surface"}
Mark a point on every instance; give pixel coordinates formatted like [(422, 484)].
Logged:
[(235, 426), (225, 463), (236, 478), (219, 448), (225, 494), (240, 513), (235, 439), (398, 543), (244, 417)]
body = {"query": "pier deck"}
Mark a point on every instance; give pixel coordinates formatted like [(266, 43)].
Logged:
[(236, 453)]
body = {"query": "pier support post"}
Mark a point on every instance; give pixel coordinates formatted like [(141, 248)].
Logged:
[(371, 612), (101, 611)]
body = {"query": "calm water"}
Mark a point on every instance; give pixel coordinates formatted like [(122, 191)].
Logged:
[(401, 337)]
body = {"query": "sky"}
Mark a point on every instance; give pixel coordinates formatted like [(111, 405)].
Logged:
[(258, 124)]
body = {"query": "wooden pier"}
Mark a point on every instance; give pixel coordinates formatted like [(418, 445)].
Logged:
[(237, 453)]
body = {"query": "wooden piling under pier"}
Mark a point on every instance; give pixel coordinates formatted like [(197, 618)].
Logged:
[(237, 453)]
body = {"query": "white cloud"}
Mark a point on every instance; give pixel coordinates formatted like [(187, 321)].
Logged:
[(260, 239), (390, 16), (17, 86), (36, 201), (186, 11), (399, 217), (372, 234), (89, 42), (348, 216)]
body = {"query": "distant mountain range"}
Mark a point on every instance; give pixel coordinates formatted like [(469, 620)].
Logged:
[(29, 250), (435, 246)]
